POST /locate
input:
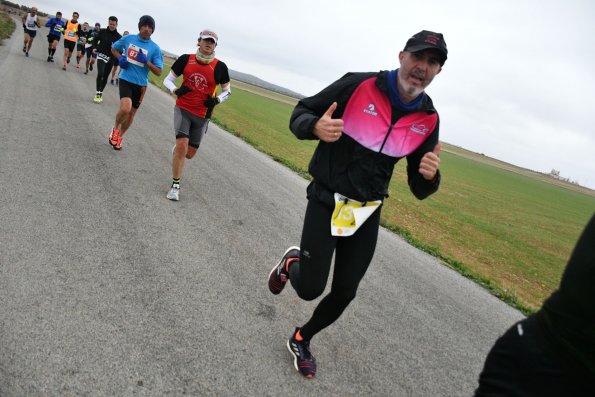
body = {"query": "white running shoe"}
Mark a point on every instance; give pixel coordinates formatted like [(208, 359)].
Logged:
[(174, 193)]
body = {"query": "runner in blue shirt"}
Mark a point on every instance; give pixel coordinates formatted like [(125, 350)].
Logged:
[(56, 26), (137, 55)]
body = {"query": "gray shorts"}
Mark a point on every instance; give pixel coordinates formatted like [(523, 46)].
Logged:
[(188, 125)]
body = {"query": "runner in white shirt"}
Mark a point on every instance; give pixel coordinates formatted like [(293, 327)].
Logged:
[(30, 25)]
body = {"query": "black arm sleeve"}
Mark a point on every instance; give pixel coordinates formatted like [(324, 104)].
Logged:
[(420, 186)]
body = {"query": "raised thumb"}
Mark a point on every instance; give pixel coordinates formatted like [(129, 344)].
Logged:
[(331, 110)]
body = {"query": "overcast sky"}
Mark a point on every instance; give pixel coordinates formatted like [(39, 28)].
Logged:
[(518, 85)]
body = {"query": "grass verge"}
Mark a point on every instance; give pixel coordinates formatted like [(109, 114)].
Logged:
[(7, 26)]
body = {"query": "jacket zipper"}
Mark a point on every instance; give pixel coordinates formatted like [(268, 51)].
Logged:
[(386, 138)]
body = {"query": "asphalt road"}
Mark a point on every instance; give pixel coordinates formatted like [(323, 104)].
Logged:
[(107, 288)]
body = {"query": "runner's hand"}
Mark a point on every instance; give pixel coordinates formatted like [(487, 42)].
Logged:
[(141, 57), (211, 102), (122, 62), (182, 90), (328, 129), (428, 166)]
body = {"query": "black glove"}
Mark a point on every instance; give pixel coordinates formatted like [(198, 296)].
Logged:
[(182, 90), (211, 102)]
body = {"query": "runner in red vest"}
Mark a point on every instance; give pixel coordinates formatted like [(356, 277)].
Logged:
[(202, 72)]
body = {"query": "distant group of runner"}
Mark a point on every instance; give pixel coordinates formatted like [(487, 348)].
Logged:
[(365, 123), (135, 55)]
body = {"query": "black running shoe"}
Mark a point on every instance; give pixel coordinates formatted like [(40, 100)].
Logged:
[(280, 273), (303, 360)]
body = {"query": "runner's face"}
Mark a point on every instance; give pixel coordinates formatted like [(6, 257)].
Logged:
[(75, 17), (112, 25), (417, 71), (145, 31), (207, 46)]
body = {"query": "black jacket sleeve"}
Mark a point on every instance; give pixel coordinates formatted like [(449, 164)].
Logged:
[(309, 110), (420, 186)]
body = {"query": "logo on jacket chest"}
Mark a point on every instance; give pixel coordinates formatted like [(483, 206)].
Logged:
[(371, 109), (420, 129)]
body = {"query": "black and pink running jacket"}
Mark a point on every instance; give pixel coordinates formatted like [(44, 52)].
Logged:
[(375, 136)]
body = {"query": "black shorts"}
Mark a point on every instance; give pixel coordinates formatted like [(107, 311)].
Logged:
[(132, 91), (69, 45), (51, 38), (31, 33), (89, 53), (80, 48)]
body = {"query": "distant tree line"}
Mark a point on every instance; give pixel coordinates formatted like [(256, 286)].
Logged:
[(554, 173)]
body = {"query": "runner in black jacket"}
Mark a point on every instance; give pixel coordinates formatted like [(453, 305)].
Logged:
[(102, 46), (365, 122)]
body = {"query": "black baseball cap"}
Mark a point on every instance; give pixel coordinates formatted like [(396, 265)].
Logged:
[(425, 40)]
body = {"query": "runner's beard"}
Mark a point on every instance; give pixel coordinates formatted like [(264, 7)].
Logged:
[(410, 89)]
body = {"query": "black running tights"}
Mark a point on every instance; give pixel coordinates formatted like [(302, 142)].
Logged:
[(103, 71), (352, 256)]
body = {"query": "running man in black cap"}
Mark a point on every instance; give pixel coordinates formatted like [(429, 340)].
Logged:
[(56, 26), (137, 55), (365, 123)]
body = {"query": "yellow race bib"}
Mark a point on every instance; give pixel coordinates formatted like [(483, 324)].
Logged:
[(349, 215)]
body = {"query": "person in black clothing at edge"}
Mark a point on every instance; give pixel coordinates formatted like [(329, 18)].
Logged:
[(365, 122), (102, 46), (551, 352)]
